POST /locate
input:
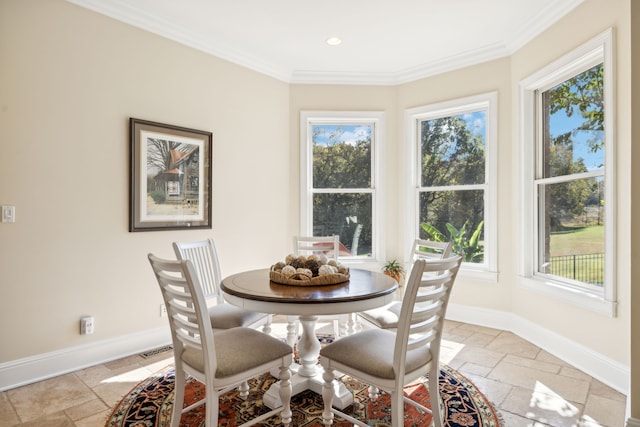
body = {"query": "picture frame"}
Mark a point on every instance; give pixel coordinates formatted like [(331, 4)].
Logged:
[(170, 177)]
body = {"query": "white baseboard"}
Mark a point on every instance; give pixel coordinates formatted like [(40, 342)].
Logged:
[(632, 422), (43, 366), (611, 372)]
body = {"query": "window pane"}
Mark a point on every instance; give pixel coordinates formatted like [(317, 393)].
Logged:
[(456, 216), (348, 215), (574, 125), (453, 150), (572, 222), (341, 156)]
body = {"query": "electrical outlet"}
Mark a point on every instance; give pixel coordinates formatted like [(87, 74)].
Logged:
[(8, 213), (86, 325), (163, 310)]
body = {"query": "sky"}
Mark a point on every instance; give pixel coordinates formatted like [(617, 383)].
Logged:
[(351, 133), (560, 123)]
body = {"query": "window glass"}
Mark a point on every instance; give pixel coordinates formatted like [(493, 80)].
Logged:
[(339, 175), (571, 184), (452, 164)]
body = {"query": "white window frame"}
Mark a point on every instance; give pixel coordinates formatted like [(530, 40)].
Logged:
[(488, 102), (595, 51), (377, 119)]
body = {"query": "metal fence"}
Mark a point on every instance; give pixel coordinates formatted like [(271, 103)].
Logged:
[(588, 268)]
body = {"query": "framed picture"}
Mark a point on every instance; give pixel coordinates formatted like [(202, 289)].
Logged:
[(170, 177)]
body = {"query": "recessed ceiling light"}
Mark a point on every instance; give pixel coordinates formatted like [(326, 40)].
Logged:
[(334, 41)]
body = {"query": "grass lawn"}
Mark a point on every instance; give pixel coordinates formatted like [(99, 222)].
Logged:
[(578, 241), (581, 240)]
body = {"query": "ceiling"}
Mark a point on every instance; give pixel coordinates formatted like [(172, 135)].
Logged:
[(385, 42)]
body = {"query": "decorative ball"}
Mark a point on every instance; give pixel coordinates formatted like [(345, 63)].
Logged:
[(288, 270)]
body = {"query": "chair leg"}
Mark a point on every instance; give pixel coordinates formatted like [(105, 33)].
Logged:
[(178, 402), (292, 331), (397, 408), (373, 392), (285, 395), (434, 395), (328, 391), (266, 328), (243, 390), (212, 406)]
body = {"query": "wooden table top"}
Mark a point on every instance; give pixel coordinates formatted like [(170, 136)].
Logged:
[(256, 285)]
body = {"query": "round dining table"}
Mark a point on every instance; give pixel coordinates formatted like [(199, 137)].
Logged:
[(253, 290)]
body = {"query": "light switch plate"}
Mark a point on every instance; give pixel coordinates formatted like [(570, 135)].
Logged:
[(8, 213)]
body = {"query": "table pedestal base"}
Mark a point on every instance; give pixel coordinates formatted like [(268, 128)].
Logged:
[(299, 383), (306, 375)]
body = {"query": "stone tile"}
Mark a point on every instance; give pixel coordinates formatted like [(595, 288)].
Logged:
[(112, 393), (455, 336), (510, 343), (85, 410), (474, 369), (34, 401), (51, 420), (568, 371), (571, 389), (94, 375), (112, 389), (548, 357), (533, 363), (600, 389), (480, 329), (495, 391), (513, 420), (600, 411), (159, 364), (543, 407), (96, 420), (479, 339), (479, 356), (126, 363), (8, 416)]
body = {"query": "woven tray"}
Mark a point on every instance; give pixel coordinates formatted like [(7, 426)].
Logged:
[(302, 280)]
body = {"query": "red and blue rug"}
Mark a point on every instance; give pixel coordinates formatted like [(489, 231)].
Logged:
[(150, 404)]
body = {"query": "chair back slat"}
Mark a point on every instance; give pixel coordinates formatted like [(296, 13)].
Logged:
[(424, 306), (429, 249), (204, 258), (326, 245)]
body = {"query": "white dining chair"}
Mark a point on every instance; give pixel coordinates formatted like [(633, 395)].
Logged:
[(389, 360), (328, 246), (221, 361), (387, 317), (204, 257)]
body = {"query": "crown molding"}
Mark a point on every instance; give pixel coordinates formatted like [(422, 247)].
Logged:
[(121, 11)]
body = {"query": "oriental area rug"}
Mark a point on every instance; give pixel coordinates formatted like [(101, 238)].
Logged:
[(150, 404)]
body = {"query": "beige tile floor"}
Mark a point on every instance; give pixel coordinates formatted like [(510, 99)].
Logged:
[(529, 386)]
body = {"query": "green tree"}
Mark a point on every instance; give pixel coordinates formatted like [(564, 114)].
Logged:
[(338, 166), (582, 94), (451, 155), (568, 199)]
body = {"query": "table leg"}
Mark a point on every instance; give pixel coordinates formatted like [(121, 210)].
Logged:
[(308, 347), (308, 376)]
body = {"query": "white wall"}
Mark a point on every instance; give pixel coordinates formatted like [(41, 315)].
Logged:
[(70, 79), (600, 333)]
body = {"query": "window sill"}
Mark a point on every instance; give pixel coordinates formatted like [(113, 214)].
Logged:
[(476, 274), (578, 298)]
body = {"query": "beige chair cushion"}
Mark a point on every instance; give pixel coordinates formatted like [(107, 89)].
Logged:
[(373, 351), (227, 316), (385, 317), (238, 350)]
